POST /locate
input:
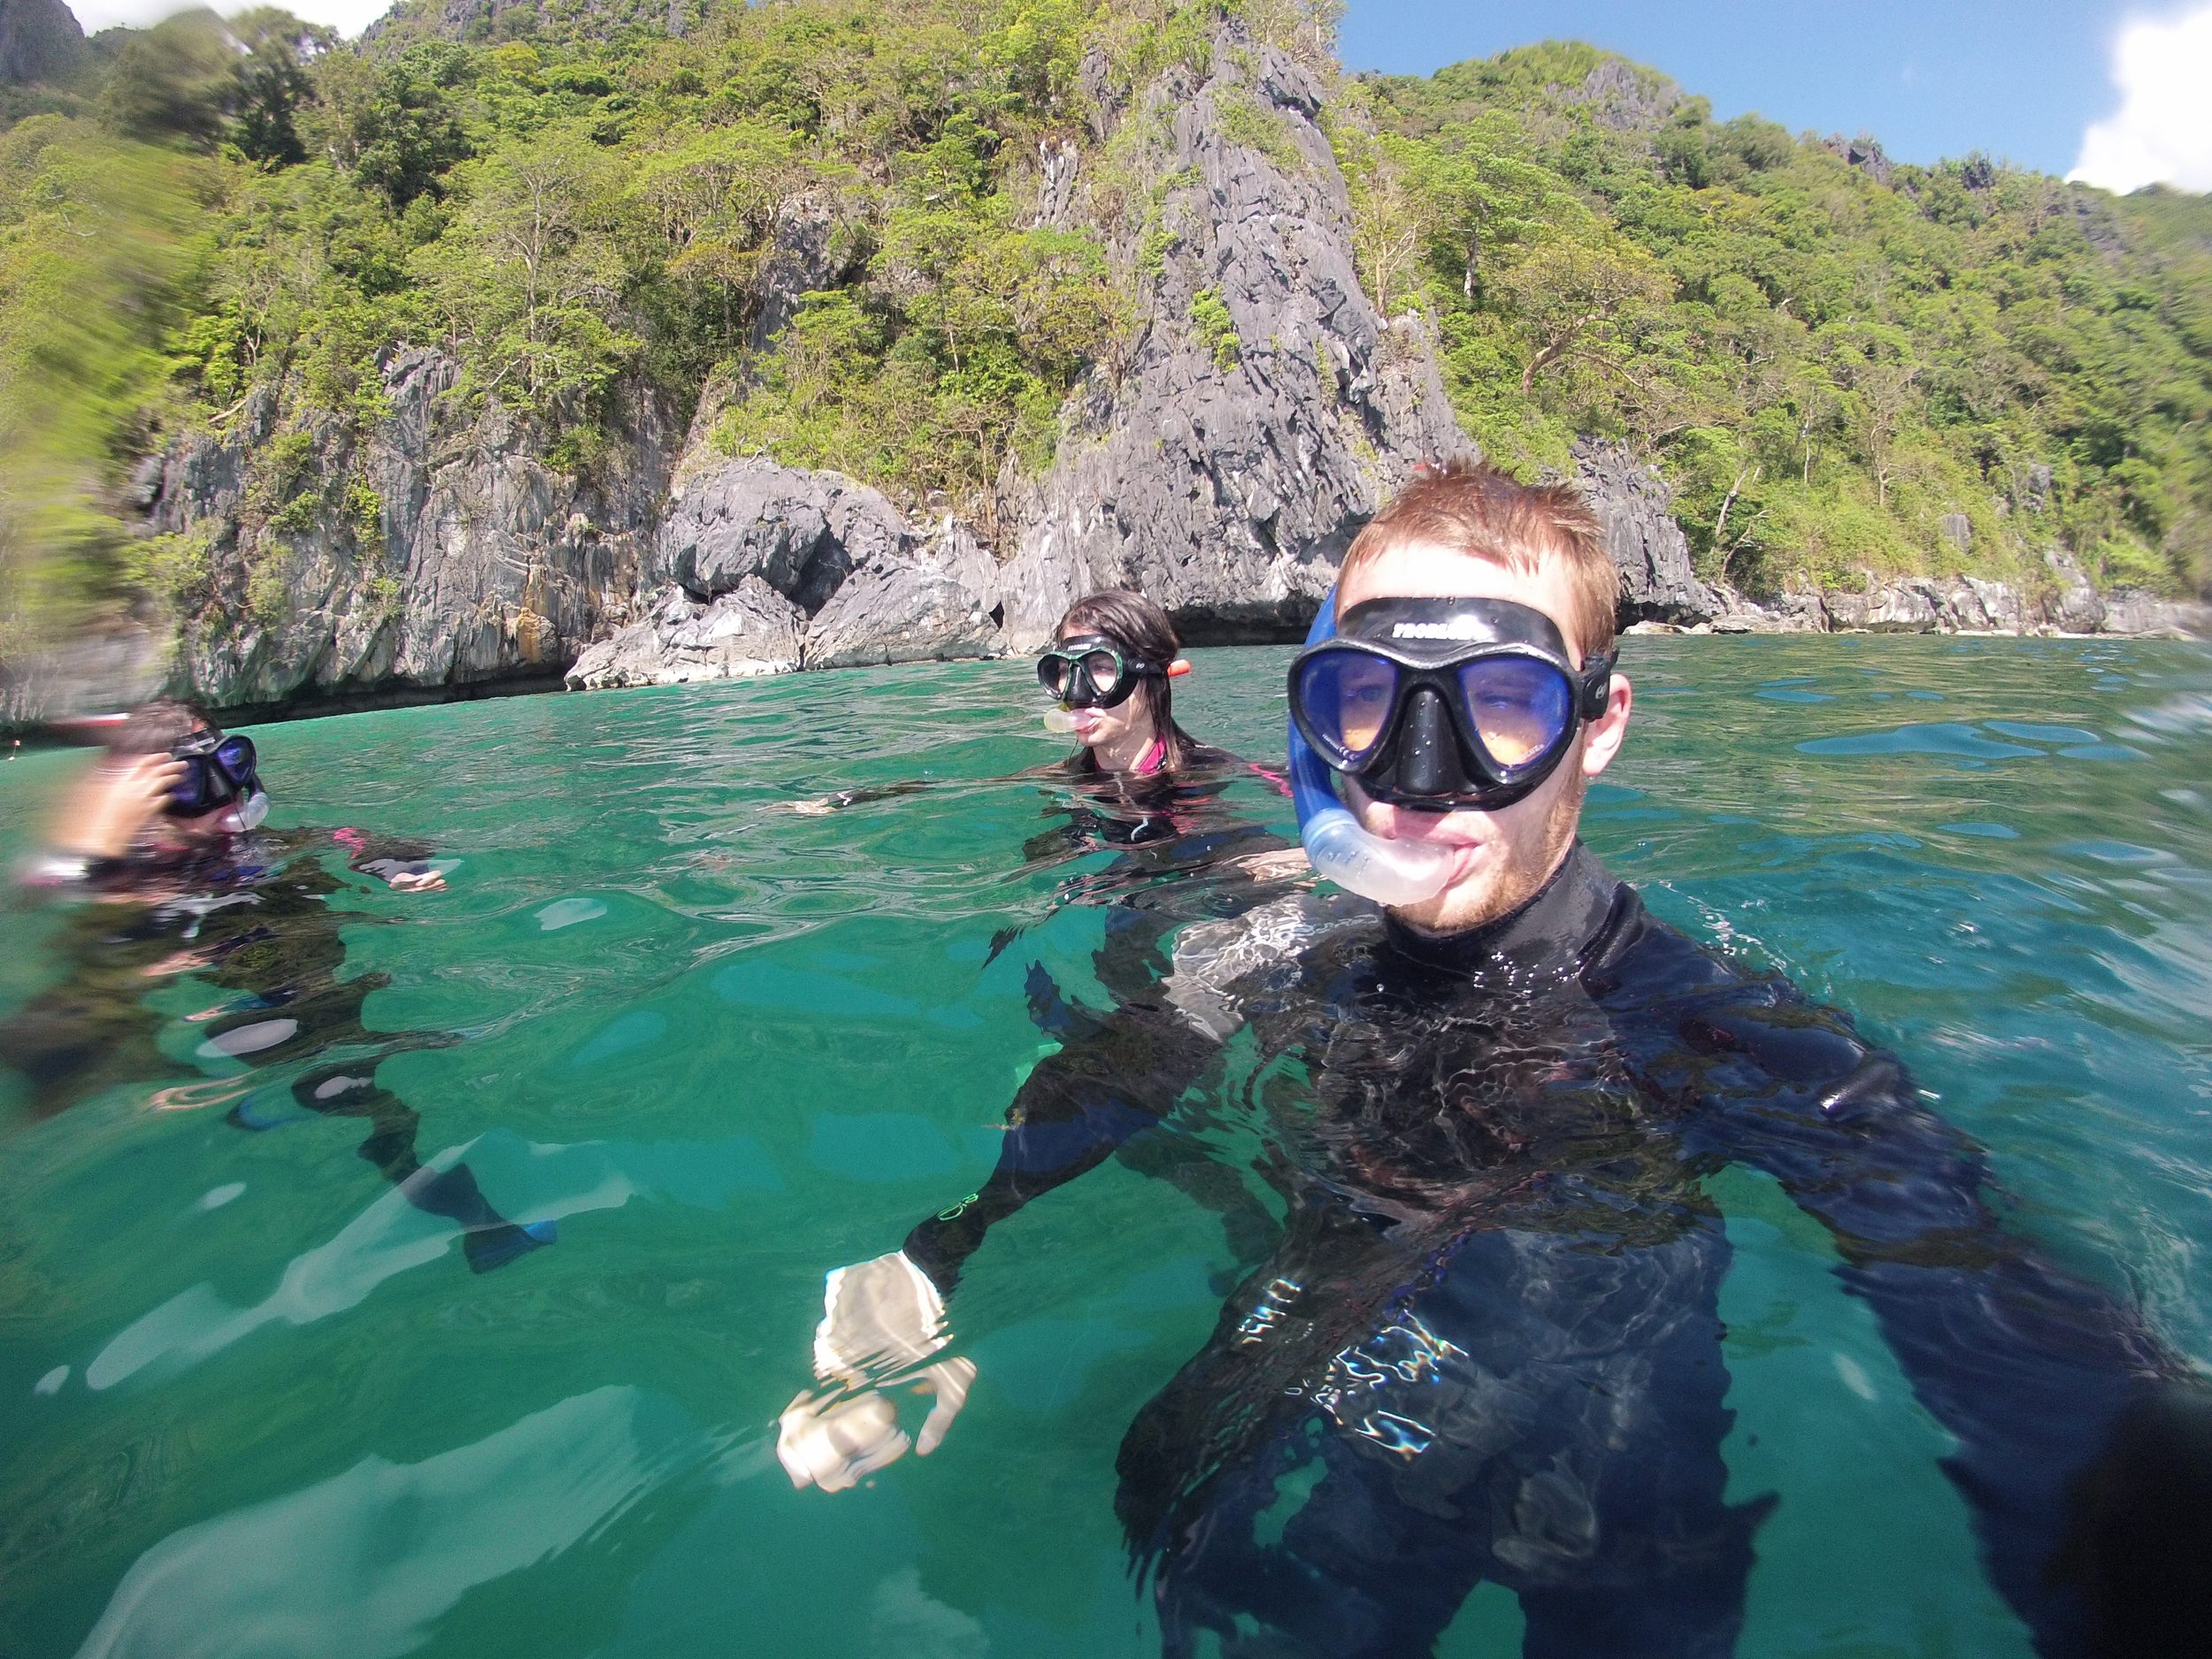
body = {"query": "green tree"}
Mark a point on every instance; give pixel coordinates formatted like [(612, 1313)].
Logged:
[(529, 282)]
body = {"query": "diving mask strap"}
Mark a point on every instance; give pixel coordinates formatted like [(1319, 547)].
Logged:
[(1391, 872)]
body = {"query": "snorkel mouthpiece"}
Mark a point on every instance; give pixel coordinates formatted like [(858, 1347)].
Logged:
[(249, 814), (1059, 719), (1391, 872)]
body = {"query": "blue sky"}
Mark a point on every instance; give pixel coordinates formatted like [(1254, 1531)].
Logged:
[(2021, 79)]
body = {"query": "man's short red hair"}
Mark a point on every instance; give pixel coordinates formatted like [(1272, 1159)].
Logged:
[(1486, 514)]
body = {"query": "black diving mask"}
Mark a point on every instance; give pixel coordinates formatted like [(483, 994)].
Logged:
[(1090, 672), (1443, 705)]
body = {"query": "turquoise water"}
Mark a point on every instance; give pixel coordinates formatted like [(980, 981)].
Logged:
[(257, 1404)]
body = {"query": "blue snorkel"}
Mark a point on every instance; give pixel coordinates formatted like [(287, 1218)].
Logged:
[(1391, 872)]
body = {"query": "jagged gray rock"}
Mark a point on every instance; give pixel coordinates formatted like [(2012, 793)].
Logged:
[(1658, 583), (1622, 98), (1793, 610), (1057, 163), (747, 629), (1968, 604), (40, 40), (801, 533), (482, 563), (1885, 608), (2074, 607), (897, 611), (804, 257), (824, 574), (1864, 153), (107, 672), (2131, 610), (1224, 472)]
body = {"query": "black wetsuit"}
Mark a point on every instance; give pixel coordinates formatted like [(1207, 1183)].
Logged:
[(252, 917), (1491, 1312)]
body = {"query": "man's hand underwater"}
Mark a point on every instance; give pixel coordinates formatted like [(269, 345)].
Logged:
[(880, 1318)]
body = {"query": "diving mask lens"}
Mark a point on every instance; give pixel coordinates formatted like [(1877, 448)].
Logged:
[(1444, 704), (1103, 669), (215, 772), (1519, 709), (1346, 698)]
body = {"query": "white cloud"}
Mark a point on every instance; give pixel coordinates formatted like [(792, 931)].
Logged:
[(2163, 131), (350, 16)]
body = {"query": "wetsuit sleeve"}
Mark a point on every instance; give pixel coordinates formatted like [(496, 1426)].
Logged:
[(2035, 1371), (1117, 1077)]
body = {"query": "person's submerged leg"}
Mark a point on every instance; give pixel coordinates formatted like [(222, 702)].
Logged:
[(489, 1240)]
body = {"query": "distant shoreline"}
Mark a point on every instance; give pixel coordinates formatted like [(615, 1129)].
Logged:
[(42, 732)]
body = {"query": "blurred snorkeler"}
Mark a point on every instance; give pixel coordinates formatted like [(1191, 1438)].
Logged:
[(164, 842), (1494, 1089)]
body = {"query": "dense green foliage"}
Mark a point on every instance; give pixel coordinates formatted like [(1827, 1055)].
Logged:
[(582, 206), (567, 213), (1829, 360)]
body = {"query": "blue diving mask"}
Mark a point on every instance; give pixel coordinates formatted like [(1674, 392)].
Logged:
[(1445, 705)]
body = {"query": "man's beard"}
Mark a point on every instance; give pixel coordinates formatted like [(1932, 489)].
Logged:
[(1520, 878)]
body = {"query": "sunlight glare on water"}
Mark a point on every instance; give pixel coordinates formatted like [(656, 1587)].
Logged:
[(257, 1404)]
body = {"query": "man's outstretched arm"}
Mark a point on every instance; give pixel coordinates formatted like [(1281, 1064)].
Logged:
[(2043, 1378), (1112, 1079), (884, 1320)]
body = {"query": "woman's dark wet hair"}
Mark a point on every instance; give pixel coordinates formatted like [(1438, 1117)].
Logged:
[(1142, 629), (154, 728)]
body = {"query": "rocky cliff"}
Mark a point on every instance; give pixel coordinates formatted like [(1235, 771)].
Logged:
[(435, 554), (1257, 411), (1223, 465), (1267, 411), (40, 40), (1223, 461)]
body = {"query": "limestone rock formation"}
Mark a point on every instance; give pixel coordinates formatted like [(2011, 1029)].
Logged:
[(749, 629), (1221, 460), (96, 675), (2131, 610), (442, 553), (2074, 607), (759, 568), (1658, 583), (927, 598), (1622, 98), (1265, 411), (40, 40)]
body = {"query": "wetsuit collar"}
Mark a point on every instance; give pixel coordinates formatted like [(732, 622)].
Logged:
[(1551, 932)]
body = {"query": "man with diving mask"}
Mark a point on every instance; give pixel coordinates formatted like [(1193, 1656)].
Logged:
[(1492, 1317)]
